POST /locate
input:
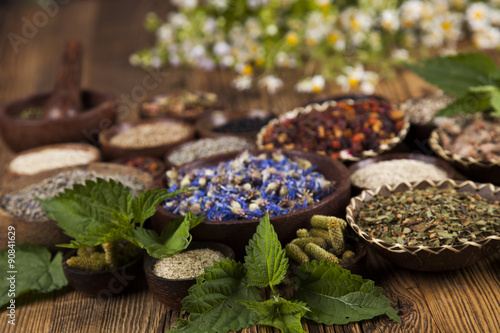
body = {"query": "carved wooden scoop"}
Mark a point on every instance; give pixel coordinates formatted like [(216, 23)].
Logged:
[(65, 101)]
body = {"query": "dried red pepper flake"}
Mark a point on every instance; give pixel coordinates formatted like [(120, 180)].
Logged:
[(347, 126)]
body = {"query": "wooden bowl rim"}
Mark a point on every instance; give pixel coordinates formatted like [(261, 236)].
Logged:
[(108, 97), (106, 135), (70, 145), (391, 143), (367, 195), (342, 186)]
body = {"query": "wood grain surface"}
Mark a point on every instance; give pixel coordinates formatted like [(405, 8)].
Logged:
[(466, 300)]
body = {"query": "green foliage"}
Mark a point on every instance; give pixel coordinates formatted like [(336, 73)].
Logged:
[(473, 78), (35, 269), (266, 262), (101, 212), (227, 296)]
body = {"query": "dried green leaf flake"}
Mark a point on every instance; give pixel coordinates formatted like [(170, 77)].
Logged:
[(335, 296), (35, 269)]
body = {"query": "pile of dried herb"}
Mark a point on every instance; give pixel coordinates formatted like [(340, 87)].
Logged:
[(431, 217)]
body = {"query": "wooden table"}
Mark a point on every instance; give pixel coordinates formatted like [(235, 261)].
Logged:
[(465, 300)]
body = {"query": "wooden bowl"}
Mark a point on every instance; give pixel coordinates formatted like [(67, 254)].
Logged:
[(105, 284), (194, 111), (83, 147), (169, 153), (332, 101), (424, 258), (22, 134), (171, 292), (477, 170), (112, 151), (237, 233), (207, 124), (450, 171), (156, 172), (44, 231)]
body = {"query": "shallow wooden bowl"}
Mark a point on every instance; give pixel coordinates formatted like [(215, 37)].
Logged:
[(424, 258), (450, 171), (106, 284), (170, 292), (478, 170), (22, 134), (112, 151), (206, 124), (13, 174), (44, 231), (169, 153), (322, 105), (237, 233)]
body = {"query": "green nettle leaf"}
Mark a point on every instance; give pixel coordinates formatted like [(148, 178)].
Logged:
[(280, 313), (495, 102), (455, 74), (335, 296), (36, 271), (266, 262), (174, 238), (470, 103), (214, 301), (144, 205)]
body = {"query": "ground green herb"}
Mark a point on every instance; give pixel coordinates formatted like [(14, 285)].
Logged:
[(431, 217)]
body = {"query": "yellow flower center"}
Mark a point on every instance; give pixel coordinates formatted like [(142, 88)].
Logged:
[(310, 41), (355, 24), (247, 70), (333, 38), (292, 38), (316, 88), (446, 25), (478, 15), (353, 82)]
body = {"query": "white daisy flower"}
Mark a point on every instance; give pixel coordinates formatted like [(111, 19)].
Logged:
[(411, 12), (400, 54), (271, 83), (487, 38), (221, 49), (389, 20), (178, 20), (242, 82), (477, 16)]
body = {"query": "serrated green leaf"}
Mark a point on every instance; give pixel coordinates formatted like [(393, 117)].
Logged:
[(495, 102), (470, 103), (280, 313), (266, 262), (35, 269), (174, 238), (144, 205), (335, 296), (213, 302), (455, 74)]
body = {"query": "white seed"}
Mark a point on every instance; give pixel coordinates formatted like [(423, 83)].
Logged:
[(186, 265)]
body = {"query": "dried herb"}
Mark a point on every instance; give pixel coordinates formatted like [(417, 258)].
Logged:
[(431, 217)]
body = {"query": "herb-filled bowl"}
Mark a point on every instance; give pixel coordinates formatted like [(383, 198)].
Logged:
[(230, 218), (152, 138), (471, 146), (181, 269), (433, 226), (347, 127), (20, 209)]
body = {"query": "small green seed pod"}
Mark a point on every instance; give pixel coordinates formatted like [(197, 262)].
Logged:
[(341, 222), (302, 233), (301, 242), (320, 221), (296, 253), (315, 232), (86, 264), (336, 238), (348, 255), (85, 251), (320, 254)]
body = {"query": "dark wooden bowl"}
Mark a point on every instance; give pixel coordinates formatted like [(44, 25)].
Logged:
[(170, 292), (478, 170), (22, 134), (187, 117), (206, 124), (450, 171), (44, 231), (170, 165), (424, 258), (154, 173), (13, 174), (237, 233), (111, 151), (323, 104), (106, 284)]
